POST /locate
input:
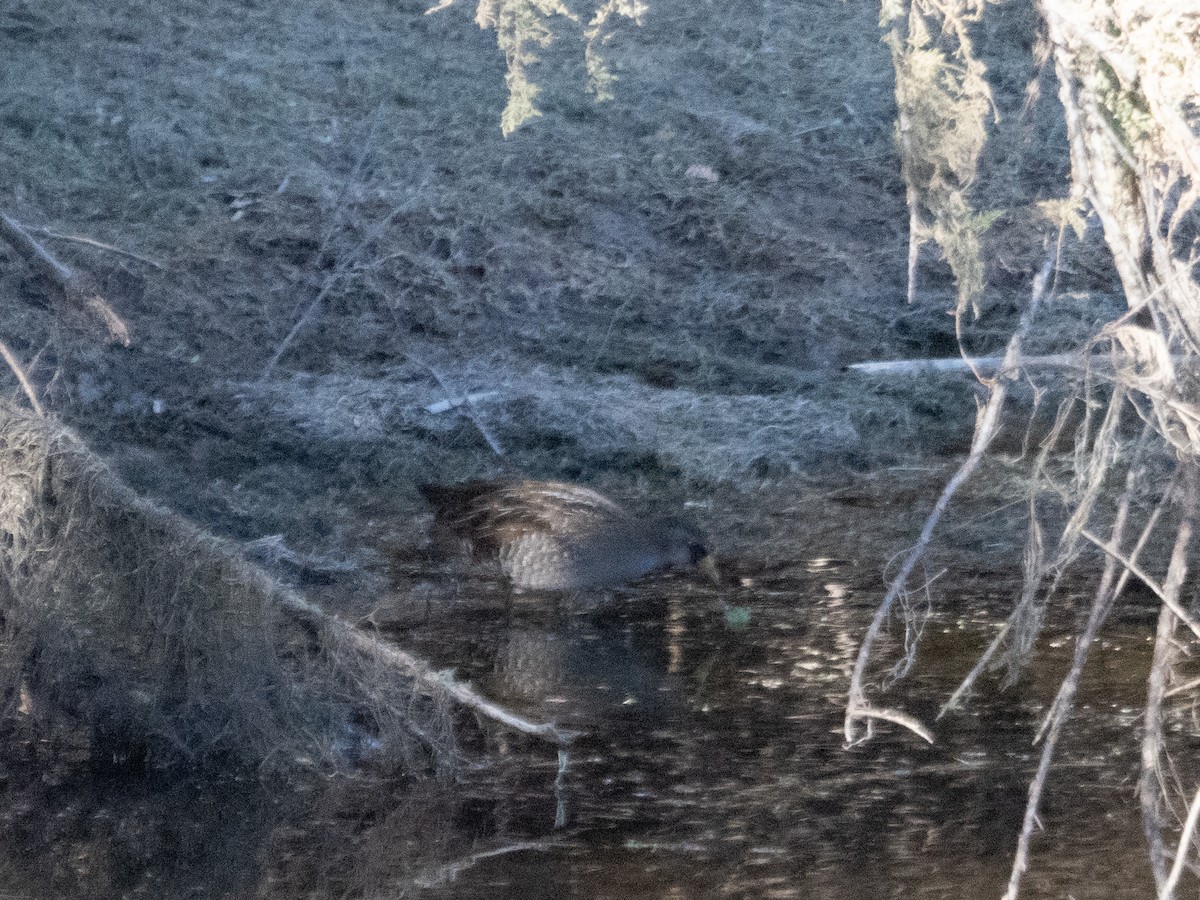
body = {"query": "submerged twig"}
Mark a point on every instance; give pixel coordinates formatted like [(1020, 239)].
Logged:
[(449, 872)]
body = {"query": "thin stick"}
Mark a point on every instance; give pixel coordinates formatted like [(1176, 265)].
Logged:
[(1152, 740), (1189, 828), (980, 665), (13, 232), (19, 371), (76, 287), (912, 723), (298, 326), (450, 871), (1171, 601), (985, 429), (992, 365), (99, 245), (1149, 784), (472, 415), (1065, 698), (343, 264), (1185, 688)]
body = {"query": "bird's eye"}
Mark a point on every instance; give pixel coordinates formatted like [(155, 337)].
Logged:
[(697, 552)]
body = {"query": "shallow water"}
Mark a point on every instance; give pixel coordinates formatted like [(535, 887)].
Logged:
[(714, 762), (712, 765)]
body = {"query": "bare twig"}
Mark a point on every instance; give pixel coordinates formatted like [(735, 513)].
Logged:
[(1064, 700), (442, 406), (912, 723), (19, 371), (915, 615), (986, 426), (296, 328), (13, 232), (467, 402), (1186, 688), (99, 245), (450, 871), (1150, 783), (1189, 828), (988, 365), (979, 668), (76, 286), (345, 263), (1161, 592)]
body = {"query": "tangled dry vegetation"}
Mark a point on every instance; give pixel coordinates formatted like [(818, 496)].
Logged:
[(130, 633), (1128, 78)]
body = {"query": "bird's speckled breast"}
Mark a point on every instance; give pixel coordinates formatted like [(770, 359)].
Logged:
[(542, 561), (536, 560)]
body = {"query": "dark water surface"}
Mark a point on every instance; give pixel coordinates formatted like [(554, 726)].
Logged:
[(713, 765)]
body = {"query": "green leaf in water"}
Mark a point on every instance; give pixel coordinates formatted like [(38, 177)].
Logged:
[(737, 617)]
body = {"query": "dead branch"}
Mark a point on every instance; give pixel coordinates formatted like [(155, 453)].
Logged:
[(75, 285), (991, 366), (1189, 828), (22, 377), (186, 634), (986, 426), (1161, 592), (99, 245), (1150, 783), (439, 683), (1060, 709), (449, 872), (467, 403)]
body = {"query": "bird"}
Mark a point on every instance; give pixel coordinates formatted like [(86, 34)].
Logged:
[(558, 536)]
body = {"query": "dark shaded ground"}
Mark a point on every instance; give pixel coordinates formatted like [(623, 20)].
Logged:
[(638, 323)]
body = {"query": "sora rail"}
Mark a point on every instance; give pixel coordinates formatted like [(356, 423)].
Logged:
[(556, 536)]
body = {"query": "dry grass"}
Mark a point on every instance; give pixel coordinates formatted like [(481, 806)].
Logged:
[(126, 624)]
